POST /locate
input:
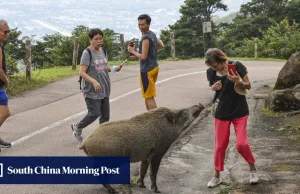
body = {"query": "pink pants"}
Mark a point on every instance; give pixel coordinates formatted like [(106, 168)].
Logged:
[(222, 132)]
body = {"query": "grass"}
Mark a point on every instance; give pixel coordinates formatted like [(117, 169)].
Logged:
[(249, 59), (281, 167), (111, 63), (257, 59), (228, 187), (133, 180), (19, 84), (268, 112), (39, 78)]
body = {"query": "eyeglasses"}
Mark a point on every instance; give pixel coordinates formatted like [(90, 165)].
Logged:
[(6, 32), (98, 39)]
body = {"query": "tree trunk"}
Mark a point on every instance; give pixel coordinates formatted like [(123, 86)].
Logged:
[(28, 59), (75, 53)]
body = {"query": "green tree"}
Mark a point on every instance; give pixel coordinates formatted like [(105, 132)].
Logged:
[(62, 53), (281, 40), (11, 65), (41, 50), (188, 29), (292, 11), (112, 43), (14, 46), (254, 18), (82, 33), (165, 37)]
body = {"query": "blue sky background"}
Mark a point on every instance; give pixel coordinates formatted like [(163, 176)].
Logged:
[(36, 17)]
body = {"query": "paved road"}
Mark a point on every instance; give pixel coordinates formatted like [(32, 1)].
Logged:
[(40, 123)]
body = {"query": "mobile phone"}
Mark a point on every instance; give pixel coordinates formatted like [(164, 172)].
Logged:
[(231, 68)]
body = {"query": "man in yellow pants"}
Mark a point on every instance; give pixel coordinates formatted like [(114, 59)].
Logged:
[(147, 54)]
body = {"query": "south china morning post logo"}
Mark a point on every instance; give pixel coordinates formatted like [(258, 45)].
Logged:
[(1, 170), (65, 170)]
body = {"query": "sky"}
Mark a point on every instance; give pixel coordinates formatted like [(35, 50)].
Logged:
[(40, 17)]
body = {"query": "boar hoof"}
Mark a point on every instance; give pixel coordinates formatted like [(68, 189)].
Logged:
[(109, 189), (155, 190), (141, 184)]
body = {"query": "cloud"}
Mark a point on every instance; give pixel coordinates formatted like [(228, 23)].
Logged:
[(6, 12), (57, 29)]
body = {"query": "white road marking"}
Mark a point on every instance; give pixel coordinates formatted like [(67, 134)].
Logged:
[(47, 128)]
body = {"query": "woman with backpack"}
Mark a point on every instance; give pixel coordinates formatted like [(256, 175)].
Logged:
[(96, 82)]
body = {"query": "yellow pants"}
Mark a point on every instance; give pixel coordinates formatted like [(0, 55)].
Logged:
[(147, 81)]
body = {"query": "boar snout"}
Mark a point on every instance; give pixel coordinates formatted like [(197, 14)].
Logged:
[(197, 110)]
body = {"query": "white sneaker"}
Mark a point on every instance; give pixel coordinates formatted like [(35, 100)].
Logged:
[(76, 132), (253, 177), (214, 182)]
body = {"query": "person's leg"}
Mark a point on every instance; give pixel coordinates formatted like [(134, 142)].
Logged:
[(144, 83), (94, 107), (105, 110), (146, 103), (240, 126), (151, 104), (222, 133), (4, 114), (4, 110), (149, 90)]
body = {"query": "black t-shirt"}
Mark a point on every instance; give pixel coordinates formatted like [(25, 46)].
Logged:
[(3, 65), (231, 104)]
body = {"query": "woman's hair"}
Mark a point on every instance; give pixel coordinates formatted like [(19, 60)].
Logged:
[(93, 32), (215, 55)]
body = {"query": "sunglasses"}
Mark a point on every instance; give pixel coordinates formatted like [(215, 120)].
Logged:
[(6, 32)]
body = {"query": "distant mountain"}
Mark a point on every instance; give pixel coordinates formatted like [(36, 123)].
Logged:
[(225, 19)]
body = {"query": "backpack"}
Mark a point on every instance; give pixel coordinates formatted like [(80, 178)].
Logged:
[(90, 53)]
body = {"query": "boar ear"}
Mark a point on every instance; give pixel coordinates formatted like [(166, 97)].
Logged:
[(171, 116)]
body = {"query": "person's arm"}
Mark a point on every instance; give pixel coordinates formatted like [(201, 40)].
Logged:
[(2, 74), (160, 44), (145, 50), (241, 76), (109, 68), (246, 83), (114, 68), (84, 75)]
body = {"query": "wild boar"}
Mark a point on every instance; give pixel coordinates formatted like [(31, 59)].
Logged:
[(145, 137)]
